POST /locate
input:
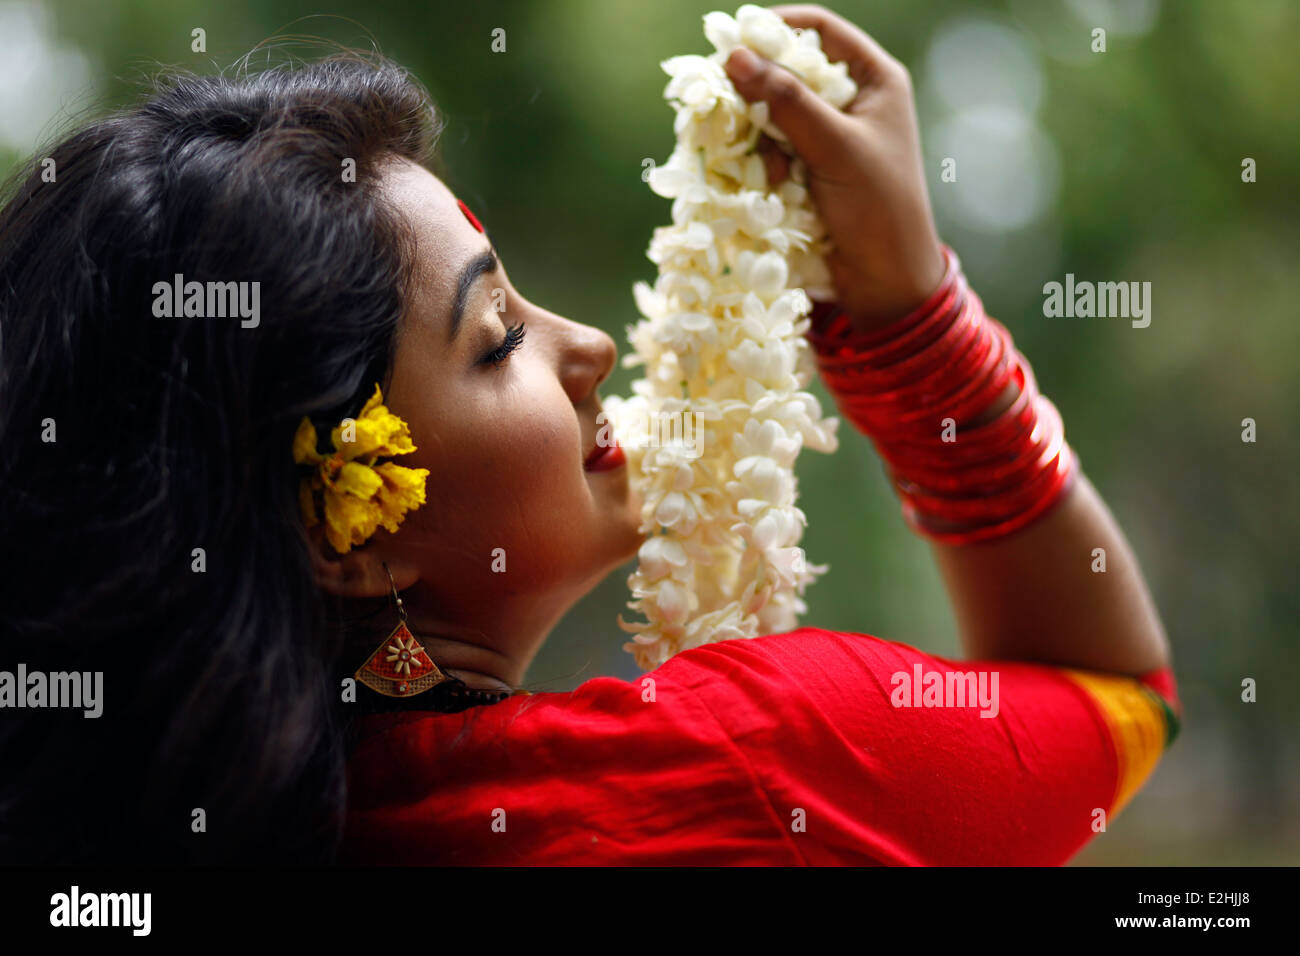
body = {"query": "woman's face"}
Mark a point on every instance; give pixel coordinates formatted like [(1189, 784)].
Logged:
[(515, 528)]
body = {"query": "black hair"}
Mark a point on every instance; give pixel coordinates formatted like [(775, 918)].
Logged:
[(131, 440)]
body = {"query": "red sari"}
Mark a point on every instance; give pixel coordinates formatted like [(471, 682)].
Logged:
[(810, 747)]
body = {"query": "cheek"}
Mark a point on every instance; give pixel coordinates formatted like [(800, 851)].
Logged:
[(532, 461), (524, 429), (507, 460)]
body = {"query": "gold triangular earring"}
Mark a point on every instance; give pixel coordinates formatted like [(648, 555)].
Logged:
[(400, 666)]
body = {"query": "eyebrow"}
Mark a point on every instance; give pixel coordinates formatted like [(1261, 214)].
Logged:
[(483, 264)]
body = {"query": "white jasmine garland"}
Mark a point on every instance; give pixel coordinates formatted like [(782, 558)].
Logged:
[(722, 343)]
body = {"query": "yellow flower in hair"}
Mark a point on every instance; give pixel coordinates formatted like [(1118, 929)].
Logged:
[(378, 432), (359, 495)]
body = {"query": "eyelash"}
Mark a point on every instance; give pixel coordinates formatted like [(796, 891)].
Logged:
[(514, 338)]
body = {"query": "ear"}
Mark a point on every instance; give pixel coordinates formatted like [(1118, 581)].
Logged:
[(359, 573)]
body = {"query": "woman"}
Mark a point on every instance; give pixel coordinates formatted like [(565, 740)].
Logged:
[(183, 480)]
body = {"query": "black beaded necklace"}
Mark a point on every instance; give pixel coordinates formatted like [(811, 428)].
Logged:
[(449, 697)]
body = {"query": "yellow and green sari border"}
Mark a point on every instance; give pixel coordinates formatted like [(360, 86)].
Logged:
[(1140, 722)]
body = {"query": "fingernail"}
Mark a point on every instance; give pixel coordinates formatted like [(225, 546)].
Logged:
[(743, 64)]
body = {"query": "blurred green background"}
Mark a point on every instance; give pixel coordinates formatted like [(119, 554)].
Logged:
[(1117, 166)]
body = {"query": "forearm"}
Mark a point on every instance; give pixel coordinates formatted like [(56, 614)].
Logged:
[(1035, 565), (1040, 595), (1034, 595)]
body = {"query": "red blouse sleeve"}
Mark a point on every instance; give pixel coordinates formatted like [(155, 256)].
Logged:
[(808, 747)]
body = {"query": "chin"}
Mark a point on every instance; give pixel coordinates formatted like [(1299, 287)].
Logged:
[(629, 542), (636, 540), (619, 539)]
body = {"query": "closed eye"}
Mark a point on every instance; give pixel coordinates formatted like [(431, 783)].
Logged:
[(514, 338)]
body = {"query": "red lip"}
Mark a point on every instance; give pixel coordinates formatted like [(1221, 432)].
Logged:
[(605, 458)]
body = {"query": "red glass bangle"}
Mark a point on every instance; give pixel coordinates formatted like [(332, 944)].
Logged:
[(843, 347), (957, 380), (887, 392), (971, 446), (959, 388), (991, 494), (1014, 490), (838, 330), (1064, 480), (942, 365), (899, 403)]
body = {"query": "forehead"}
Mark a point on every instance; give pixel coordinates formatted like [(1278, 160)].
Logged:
[(445, 236), (445, 239)]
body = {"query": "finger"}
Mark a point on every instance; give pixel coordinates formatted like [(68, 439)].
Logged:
[(774, 160), (815, 129), (842, 41)]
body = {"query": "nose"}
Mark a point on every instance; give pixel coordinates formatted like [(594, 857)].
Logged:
[(587, 356)]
